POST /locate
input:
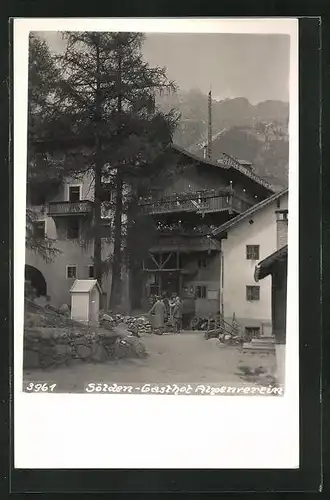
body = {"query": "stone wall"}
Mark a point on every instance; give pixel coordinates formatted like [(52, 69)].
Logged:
[(51, 347), (51, 339)]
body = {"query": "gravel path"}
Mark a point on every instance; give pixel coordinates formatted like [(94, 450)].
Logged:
[(182, 358)]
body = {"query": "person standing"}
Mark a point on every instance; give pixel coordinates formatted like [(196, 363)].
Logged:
[(167, 307), (158, 312), (177, 315), (171, 304)]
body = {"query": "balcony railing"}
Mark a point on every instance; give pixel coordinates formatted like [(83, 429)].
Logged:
[(63, 208), (184, 244), (204, 203)]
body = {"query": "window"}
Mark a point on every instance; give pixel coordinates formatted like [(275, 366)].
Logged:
[(252, 332), (74, 193), (201, 292), (71, 271), (252, 252), (72, 232), (91, 271), (282, 215), (39, 229), (252, 293), (202, 263)]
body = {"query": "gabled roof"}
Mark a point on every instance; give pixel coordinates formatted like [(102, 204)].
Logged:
[(255, 208), (264, 268), (80, 286), (227, 163)]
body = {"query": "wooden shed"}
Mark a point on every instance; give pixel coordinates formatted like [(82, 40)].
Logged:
[(85, 301)]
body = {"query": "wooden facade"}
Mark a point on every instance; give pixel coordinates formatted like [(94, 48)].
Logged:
[(203, 194)]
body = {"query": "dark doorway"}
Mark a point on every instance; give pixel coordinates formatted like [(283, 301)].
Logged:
[(36, 279), (170, 282)]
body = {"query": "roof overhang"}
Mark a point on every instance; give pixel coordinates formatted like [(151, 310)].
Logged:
[(221, 231), (86, 286), (266, 266)]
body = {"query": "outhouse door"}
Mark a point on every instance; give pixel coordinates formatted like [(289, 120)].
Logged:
[(94, 306)]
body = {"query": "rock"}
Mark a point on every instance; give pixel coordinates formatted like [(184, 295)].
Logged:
[(106, 324), (63, 353), (81, 341), (64, 309), (106, 317), (63, 338), (121, 330), (213, 341), (136, 347), (83, 351), (99, 354), (31, 359), (227, 337)]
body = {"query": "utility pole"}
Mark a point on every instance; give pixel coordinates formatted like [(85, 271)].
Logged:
[(209, 127)]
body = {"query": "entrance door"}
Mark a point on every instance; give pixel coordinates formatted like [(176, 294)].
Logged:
[(170, 282), (94, 307)]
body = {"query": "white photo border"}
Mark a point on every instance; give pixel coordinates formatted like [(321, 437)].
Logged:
[(172, 431)]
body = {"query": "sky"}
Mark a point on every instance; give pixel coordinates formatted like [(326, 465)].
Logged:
[(254, 66)]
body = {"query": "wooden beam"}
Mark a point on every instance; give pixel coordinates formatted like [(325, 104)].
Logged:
[(166, 260), (154, 260), (161, 270)]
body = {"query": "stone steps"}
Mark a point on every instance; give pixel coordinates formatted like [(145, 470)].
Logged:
[(261, 346), (263, 341)]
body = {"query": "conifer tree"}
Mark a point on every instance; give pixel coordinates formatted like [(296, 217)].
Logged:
[(106, 97), (44, 171)]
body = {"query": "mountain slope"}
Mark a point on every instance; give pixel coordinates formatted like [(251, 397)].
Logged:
[(257, 133)]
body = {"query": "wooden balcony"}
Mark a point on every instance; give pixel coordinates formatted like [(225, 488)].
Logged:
[(65, 208), (195, 202), (185, 244)]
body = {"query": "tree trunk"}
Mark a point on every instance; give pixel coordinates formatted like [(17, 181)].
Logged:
[(97, 221), (115, 299), (134, 297), (98, 175), (116, 285)]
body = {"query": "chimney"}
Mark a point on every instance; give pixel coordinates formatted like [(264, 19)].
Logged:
[(282, 228)]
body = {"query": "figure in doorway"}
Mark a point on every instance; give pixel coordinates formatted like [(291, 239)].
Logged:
[(157, 313)]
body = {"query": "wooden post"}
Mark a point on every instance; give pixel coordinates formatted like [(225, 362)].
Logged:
[(180, 283), (160, 283)]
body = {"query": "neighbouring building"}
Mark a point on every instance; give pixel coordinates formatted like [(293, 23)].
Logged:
[(275, 267), (184, 256), (246, 240), (66, 217)]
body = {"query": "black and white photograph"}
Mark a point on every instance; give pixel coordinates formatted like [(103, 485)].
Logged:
[(157, 213)]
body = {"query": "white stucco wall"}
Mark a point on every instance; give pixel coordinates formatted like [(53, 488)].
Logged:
[(71, 252), (87, 188), (58, 285), (239, 271)]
